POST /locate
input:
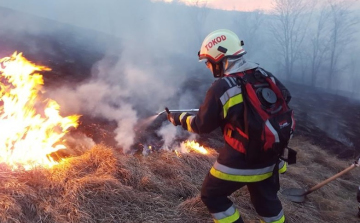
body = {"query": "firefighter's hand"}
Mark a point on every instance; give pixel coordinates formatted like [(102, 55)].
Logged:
[(174, 118)]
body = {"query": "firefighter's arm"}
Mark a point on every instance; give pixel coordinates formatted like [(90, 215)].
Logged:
[(207, 119)]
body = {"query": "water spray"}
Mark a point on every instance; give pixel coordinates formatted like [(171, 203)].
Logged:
[(146, 122)]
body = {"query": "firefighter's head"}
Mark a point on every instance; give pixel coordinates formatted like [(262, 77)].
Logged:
[(217, 46)]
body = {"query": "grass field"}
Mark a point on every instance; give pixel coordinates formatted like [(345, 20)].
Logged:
[(103, 185)]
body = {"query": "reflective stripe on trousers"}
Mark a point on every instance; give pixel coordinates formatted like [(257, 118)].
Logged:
[(245, 175), (228, 216), (280, 218)]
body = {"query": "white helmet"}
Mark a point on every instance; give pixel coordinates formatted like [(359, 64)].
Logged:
[(220, 44)]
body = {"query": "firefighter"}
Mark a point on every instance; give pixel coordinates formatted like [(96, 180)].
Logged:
[(223, 55)]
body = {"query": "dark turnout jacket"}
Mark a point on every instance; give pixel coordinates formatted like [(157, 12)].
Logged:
[(223, 104)]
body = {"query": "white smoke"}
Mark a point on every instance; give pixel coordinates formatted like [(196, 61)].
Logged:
[(79, 143), (125, 131), (98, 99), (168, 132), (118, 89)]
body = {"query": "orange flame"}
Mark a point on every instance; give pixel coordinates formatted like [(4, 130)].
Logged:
[(178, 153), (194, 146), (31, 128), (190, 146)]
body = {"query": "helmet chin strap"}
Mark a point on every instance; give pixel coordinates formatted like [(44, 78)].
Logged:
[(217, 69)]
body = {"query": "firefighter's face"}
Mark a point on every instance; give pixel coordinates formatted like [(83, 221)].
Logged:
[(209, 65)]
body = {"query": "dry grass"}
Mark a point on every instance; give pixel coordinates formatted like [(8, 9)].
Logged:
[(103, 185), (334, 202)]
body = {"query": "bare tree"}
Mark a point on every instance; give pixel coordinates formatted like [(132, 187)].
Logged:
[(341, 33), (354, 66), (319, 44), (249, 24), (289, 29), (199, 14)]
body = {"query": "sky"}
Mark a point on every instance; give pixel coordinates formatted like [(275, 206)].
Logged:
[(240, 5)]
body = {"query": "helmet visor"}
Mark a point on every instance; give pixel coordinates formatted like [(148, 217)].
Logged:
[(201, 59)]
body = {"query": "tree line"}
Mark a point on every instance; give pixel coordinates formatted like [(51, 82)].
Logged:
[(316, 41), (312, 42)]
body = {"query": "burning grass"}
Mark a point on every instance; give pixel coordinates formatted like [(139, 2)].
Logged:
[(104, 185), (31, 126)]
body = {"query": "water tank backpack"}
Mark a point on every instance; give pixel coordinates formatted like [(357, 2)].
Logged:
[(268, 121)]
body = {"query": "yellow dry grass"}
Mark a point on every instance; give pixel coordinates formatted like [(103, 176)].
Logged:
[(103, 185)]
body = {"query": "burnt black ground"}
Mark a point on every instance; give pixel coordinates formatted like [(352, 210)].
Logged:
[(327, 120)]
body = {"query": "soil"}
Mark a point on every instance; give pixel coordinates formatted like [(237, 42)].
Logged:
[(327, 120)]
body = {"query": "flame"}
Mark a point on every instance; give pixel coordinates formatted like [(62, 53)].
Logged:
[(177, 153), (194, 146), (190, 146), (31, 128)]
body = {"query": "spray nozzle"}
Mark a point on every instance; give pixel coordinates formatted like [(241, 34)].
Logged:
[(167, 110)]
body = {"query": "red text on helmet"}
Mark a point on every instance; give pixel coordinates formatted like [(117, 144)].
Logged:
[(215, 41)]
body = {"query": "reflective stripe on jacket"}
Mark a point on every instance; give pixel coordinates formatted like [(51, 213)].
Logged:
[(231, 97)]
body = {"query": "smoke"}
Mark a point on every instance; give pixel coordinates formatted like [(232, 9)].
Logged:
[(79, 143), (168, 133), (151, 62), (123, 89), (148, 54), (137, 78), (125, 131)]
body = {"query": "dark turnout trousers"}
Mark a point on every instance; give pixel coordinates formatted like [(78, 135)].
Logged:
[(215, 192), (358, 199)]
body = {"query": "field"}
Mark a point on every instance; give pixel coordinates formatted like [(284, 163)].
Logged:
[(102, 184)]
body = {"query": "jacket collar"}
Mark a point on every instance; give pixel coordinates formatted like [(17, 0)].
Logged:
[(236, 65)]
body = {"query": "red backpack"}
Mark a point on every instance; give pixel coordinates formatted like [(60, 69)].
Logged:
[(268, 120)]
